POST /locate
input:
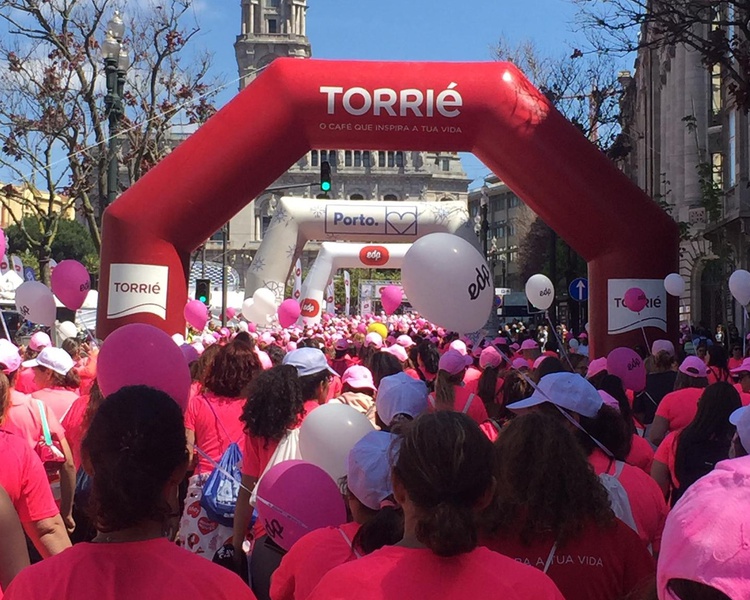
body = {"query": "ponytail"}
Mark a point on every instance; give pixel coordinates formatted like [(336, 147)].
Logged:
[(487, 387), (384, 528), (445, 396), (448, 529)]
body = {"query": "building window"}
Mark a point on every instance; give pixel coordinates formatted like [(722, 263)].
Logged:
[(400, 160), (272, 26), (511, 229), (314, 158), (356, 197), (391, 159), (716, 102), (272, 3), (732, 149), (717, 161), (446, 164), (514, 201), (332, 157), (348, 158), (497, 204), (366, 159), (390, 197), (265, 224), (500, 231), (357, 158), (381, 159)]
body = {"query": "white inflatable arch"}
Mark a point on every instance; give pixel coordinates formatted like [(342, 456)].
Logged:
[(299, 220), (341, 255)]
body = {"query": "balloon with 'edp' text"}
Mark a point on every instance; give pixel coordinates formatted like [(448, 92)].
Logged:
[(540, 291), (448, 282)]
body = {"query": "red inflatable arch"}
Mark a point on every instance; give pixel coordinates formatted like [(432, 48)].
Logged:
[(489, 109)]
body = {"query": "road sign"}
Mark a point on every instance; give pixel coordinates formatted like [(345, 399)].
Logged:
[(579, 289)]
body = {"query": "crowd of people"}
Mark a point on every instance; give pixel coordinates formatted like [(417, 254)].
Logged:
[(513, 467)]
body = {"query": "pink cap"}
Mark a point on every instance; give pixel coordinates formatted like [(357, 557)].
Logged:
[(9, 356), (743, 368), (39, 341), (596, 366), (609, 400), (662, 345), (583, 336), (454, 362), (405, 341), (358, 378), (490, 358), (529, 345), (189, 352), (520, 364), (265, 360), (459, 346), (398, 351), (291, 346), (707, 534), (342, 344), (500, 341), (374, 338), (694, 367), (515, 347), (539, 361)]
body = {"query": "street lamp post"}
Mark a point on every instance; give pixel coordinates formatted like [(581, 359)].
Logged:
[(116, 64)]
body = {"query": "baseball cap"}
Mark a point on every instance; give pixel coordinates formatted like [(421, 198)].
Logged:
[(596, 366), (529, 345), (342, 344), (358, 377), (490, 358), (694, 367), (400, 394), (515, 347), (459, 346), (9, 356), (307, 361), (55, 359), (740, 418), (454, 362), (520, 363), (374, 338), (538, 362), (500, 341), (583, 336), (39, 341), (368, 471), (744, 367), (706, 536), (566, 390), (398, 351), (662, 346), (609, 400), (405, 341)]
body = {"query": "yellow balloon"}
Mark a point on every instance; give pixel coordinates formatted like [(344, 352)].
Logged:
[(378, 328)]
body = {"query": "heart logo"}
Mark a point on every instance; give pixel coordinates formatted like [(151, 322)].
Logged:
[(403, 223), (194, 509), (206, 525)]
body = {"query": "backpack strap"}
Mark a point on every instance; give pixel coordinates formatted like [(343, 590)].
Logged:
[(619, 466), (349, 542), (216, 416), (469, 400), (431, 399), (45, 424), (550, 558)]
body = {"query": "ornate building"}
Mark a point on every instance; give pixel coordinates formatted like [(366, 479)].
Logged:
[(274, 28)]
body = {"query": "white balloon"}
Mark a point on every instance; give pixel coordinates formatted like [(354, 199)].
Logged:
[(448, 282), (265, 300), (540, 291), (674, 284), (253, 312), (35, 302), (739, 285), (66, 330), (242, 326)]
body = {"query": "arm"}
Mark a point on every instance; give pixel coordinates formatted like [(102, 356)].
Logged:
[(48, 535), (243, 512), (13, 553), (67, 487), (660, 474), (659, 429), (190, 435)]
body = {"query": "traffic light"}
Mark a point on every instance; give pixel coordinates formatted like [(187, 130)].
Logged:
[(203, 290), (325, 176)]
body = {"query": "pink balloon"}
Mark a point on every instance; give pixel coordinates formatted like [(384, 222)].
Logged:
[(296, 497), (288, 312), (252, 327), (70, 282), (196, 314), (3, 243), (391, 298), (231, 313), (635, 299), (140, 354), (628, 366)]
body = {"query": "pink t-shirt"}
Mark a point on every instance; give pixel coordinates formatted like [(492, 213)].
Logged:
[(418, 573), (24, 479), (646, 499), (149, 570), (58, 399), (23, 419), (641, 454), (25, 381), (310, 558), (679, 407), (74, 428), (214, 429), (472, 374), (476, 409), (666, 453)]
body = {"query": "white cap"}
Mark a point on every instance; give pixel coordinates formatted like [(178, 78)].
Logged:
[(55, 359), (566, 390), (368, 473)]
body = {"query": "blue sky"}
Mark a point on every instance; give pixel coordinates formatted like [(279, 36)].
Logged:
[(406, 30)]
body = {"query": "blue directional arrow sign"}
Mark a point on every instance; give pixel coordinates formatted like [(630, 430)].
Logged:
[(579, 289)]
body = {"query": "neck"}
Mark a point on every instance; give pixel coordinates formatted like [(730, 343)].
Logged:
[(410, 528), (147, 530)]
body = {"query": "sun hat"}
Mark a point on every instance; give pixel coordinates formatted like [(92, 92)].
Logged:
[(375, 339), (454, 362), (490, 358), (596, 366), (662, 346), (405, 341), (529, 345), (400, 394), (743, 368), (9, 356), (55, 359), (358, 377), (566, 390), (706, 536), (693, 366), (398, 351), (39, 341), (307, 361), (368, 471)]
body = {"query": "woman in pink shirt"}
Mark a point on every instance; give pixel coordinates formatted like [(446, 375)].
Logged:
[(212, 423), (56, 380), (450, 393)]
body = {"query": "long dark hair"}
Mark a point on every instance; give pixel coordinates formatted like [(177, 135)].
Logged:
[(544, 482), (275, 403), (430, 356), (612, 384), (384, 527), (487, 390), (445, 464), (384, 364)]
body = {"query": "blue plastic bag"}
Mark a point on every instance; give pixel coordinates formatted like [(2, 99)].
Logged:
[(222, 487)]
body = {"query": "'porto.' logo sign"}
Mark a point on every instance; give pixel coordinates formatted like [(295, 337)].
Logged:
[(358, 101), (309, 307), (374, 256)]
